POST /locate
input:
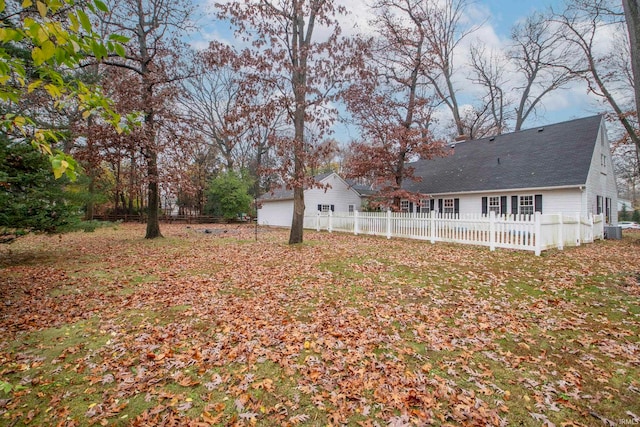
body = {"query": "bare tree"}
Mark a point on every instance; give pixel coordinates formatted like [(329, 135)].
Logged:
[(582, 24), (211, 99), (489, 72), (442, 27), (536, 51)]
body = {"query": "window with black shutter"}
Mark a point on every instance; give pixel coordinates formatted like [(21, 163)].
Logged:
[(538, 203)]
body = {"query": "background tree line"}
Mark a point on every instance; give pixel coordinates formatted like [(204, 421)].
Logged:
[(177, 130)]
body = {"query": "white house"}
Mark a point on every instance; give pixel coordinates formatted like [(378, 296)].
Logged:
[(335, 195), (559, 168)]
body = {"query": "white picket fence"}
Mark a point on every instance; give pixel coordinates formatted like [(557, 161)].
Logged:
[(535, 233)]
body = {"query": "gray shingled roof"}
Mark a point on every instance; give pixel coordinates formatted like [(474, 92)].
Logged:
[(281, 193), (549, 156)]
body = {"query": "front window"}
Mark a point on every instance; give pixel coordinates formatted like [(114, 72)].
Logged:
[(448, 206), (404, 206), (526, 205), (325, 208), (494, 205), (352, 208), (423, 206)]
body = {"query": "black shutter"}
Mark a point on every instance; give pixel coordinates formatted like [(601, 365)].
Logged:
[(514, 205), (538, 203), (432, 204), (440, 205), (456, 206), (503, 205), (485, 206), (333, 208), (319, 208)]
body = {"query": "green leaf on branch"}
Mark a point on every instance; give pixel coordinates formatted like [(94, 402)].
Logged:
[(101, 6), (42, 9), (84, 21), (120, 50)]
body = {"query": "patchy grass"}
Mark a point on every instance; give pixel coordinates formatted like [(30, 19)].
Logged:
[(108, 328)]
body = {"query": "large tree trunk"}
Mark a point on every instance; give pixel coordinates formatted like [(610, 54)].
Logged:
[(299, 53), (632, 15), (297, 223), (153, 199)]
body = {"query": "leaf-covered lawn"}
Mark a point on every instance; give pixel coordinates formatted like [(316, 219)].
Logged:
[(214, 328)]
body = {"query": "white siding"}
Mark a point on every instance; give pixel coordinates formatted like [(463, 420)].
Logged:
[(280, 212), (339, 195), (567, 201), (601, 180), (276, 213)]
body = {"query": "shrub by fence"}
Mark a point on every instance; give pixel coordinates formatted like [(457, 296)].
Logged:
[(535, 233)]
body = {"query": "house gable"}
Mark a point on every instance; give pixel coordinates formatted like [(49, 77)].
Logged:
[(335, 194)]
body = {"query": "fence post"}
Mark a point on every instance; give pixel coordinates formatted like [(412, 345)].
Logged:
[(356, 227), (538, 232), (579, 233), (492, 231), (432, 226), (318, 221), (560, 231), (330, 227), (389, 224)]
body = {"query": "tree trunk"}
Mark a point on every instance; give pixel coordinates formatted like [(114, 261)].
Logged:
[(299, 83), (296, 234), (632, 15), (90, 203), (297, 222), (153, 193), (153, 199)]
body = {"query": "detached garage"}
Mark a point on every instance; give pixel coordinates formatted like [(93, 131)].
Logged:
[(335, 194)]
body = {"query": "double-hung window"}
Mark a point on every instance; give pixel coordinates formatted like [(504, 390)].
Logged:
[(526, 205), (448, 206), (423, 206), (494, 205)]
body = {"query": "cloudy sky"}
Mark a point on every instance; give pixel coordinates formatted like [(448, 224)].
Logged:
[(497, 18)]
